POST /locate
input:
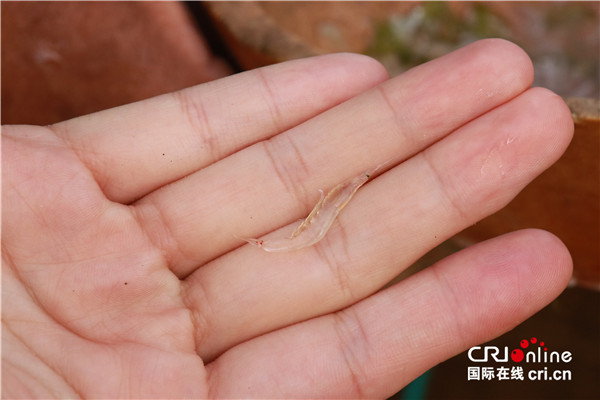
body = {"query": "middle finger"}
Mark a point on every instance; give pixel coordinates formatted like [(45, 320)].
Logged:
[(275, 182), (392, 222)]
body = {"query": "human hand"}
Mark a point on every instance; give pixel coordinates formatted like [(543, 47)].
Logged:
[(123, 277)]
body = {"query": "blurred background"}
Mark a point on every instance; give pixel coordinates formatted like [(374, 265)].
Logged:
[(65, 59)]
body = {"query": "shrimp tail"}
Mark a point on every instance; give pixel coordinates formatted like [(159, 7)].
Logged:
[(255, 242)]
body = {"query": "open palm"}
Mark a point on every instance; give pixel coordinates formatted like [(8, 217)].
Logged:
[(123, 272)]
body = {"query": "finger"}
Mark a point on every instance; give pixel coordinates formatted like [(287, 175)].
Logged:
[(275, 182), (390, 223), (379, 345), (137, 148)]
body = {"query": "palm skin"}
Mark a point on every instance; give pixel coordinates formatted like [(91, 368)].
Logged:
[(123, 275), (116, 292)]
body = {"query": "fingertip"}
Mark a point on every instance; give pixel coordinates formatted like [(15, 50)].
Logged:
[(526, 269), (555, 116), (549, 257), (358, 66), (513, 56), (515, 274), (545, 128)]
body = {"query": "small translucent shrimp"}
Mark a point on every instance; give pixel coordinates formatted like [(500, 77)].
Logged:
[(320, 219)]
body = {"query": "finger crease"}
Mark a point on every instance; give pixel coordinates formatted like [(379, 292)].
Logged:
[(165, 241), (287, 178), (335, 263), (455, 305), (199, 319), (273, 106), (445, 187), (197, 117), (352, 339)]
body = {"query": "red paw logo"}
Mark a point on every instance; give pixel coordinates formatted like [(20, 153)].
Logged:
[(517, 355)]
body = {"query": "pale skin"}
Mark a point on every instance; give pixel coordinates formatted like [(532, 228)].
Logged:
[(123, 276)]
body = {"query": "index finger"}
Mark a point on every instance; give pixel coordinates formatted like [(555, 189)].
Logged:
[(134, 149), (270, 184)]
